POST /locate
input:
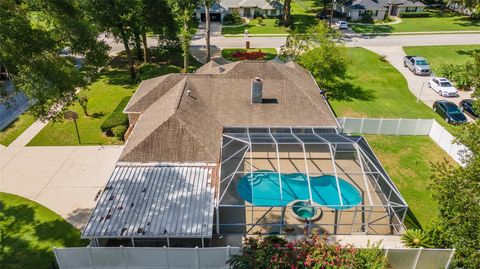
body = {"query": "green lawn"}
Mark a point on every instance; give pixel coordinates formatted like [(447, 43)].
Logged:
[(407, 160), (16, 128), (270, 53), (303, 15), (439, 21), (268, 26), (30, 232), (109, 93), (438, 55), (375, 89)]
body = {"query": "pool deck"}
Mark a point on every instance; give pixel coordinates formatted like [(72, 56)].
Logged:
[(349, 221)]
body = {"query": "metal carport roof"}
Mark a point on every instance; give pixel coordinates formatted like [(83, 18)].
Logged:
[(155, 201)]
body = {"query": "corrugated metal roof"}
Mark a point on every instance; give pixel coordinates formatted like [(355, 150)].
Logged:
[(155, 201)]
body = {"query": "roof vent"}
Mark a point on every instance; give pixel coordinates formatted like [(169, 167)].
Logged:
[(257, 88), (221, 69)]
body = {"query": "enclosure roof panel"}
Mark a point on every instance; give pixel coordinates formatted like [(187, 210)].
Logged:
[(155, 201)]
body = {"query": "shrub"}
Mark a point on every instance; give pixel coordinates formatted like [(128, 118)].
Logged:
[(260, 21), (232, 18), (371, 257), (460, 74), (117, 118), (119, 131), (314, 252), (257, 15), (366, 18), (414, 14), (83, 101), (416, 238), (246, 55)]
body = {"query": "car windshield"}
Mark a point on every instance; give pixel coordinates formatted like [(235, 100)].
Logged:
[(445, 84), (452, 109), (422, 62)]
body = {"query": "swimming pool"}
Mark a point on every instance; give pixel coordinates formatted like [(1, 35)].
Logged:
[(266, 190)]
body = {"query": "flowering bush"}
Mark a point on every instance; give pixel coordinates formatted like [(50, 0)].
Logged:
[(314, 252), (246, 55)]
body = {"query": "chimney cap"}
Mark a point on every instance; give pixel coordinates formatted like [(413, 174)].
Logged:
[(257, 79)]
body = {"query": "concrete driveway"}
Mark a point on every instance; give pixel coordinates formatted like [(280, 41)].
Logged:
[(64, 179), (394, 55)]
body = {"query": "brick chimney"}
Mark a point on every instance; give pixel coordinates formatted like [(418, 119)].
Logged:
[(257, 88)]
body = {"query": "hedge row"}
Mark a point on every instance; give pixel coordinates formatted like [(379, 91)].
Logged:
[(117, 118), (414, 14)]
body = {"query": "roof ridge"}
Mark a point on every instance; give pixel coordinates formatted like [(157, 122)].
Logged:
[(178, 100)]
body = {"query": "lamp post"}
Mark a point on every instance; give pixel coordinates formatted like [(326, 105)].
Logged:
[(423, 85), (72, 115)]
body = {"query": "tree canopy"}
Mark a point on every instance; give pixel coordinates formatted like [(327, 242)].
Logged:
[(32, 34), (318, 51), (457, 192)]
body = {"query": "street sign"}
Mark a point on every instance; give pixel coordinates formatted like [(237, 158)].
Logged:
[(70, 115)]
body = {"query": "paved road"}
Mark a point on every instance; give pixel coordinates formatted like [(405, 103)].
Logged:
[(413, 40), (221, 42)]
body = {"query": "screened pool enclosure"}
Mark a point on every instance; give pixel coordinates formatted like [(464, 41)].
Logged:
[(303, 180)]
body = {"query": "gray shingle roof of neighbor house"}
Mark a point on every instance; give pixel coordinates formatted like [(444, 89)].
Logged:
[(156, 201), (183, 115), (263, 4), (382, 4)]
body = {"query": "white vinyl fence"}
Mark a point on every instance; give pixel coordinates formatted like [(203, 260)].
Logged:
[(160, 258), (143, 257), (419, 258), (425, 127)]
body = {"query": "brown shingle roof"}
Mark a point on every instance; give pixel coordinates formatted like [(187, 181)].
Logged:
[(183, 114)]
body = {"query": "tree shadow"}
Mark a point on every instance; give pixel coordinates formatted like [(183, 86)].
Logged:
[(346, 91), (60, 231), (411, 221), (27, 235), (98, 115), (79, 217), (468, 52)]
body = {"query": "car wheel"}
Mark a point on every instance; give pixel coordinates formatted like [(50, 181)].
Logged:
[(440, 93), (434, 109), (430, 85), (404, 64), (462, 108), (414, 71), (447, 120)]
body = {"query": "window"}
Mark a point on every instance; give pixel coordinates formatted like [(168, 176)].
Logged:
[(411, 9), (273, 12)]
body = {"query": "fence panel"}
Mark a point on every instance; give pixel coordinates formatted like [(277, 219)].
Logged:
[(386, 126), (434, 258), (140, 258), (406, 127)]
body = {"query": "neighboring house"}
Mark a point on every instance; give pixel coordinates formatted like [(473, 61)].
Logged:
[(245, 8), (379, 9), (239, 149)]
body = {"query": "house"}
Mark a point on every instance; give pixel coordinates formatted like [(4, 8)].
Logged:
[(379, 9), (238, 149), (245, 8)]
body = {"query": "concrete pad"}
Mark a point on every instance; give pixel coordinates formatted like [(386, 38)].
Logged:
[(361, 241), (64, 179)]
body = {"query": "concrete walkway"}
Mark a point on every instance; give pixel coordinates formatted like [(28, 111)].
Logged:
[(28, 134)]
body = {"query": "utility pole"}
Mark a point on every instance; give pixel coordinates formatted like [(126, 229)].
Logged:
[(331, 13)]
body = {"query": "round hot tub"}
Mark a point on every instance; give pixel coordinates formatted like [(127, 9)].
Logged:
[(303, 211)]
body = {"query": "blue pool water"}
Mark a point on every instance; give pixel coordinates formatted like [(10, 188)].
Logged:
[(266, 190)]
